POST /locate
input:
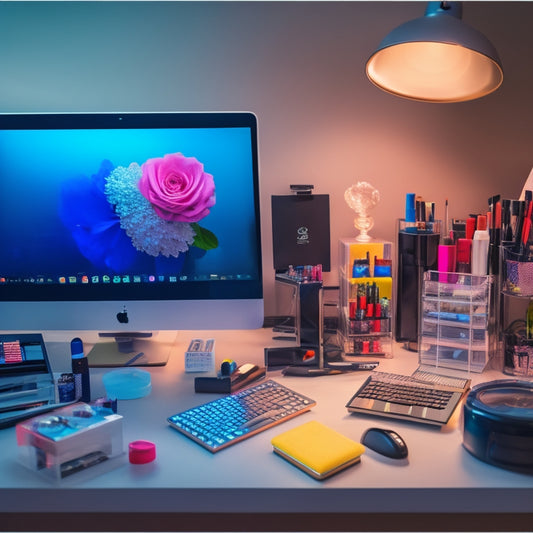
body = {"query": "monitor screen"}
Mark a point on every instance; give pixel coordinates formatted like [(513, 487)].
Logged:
[(129, 222)]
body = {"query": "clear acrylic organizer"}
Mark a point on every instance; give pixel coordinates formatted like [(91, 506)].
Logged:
[(456, 329), (366, 289)]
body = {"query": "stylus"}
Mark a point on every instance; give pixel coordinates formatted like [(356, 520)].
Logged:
[(359, 365), (310, 372), (133, 359)]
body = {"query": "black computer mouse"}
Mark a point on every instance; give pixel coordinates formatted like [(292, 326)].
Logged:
[(385, 442)]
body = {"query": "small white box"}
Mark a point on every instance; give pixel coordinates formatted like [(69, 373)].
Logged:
[(70, 440), (200, 356)]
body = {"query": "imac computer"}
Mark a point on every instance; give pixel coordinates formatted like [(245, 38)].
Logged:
[(129, 224)]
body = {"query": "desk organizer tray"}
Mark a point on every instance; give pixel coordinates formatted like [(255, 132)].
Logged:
[(27, 385)]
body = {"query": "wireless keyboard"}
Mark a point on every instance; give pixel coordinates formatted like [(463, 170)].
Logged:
[(230, 419), (426, 398)]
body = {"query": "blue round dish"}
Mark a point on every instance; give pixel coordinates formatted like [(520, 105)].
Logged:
[(127, 383)]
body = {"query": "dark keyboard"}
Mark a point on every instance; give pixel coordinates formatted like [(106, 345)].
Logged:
[(397, 396), (406, 395), (230, 419)]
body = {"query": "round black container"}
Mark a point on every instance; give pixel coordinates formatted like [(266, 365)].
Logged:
[(498, 424)]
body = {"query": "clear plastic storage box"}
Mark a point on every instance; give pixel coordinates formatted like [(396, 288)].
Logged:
[(70, 440), (366, 288), (456, 330)]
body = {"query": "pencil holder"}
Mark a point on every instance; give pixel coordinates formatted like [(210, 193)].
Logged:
[(517, 273), (518, 355), (417, 252)]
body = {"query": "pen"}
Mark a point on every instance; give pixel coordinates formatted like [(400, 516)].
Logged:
[(304, 371), (517, 208), (497, 221), (446, 220), (523, 237), (495, 231), (133, 359), (507, 229), (340, 368), (524, 209), (348, 365)]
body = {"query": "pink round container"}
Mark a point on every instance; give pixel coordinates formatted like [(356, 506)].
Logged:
[(141, 452)]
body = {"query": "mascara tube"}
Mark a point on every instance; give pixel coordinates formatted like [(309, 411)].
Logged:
[(507, 228)]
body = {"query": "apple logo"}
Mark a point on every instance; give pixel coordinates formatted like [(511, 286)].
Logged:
[(122, 317)]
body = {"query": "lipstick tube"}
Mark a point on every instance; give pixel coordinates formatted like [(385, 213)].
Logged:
[(464, 253), (361, 297), (376, 326), (447, 258), (370, 301)]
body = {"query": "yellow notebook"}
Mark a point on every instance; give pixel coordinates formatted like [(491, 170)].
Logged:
[(317, 449)]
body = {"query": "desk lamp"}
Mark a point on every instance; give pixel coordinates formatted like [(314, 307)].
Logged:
[(436, 58)]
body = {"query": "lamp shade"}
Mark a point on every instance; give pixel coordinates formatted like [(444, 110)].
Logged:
[(436, 58)]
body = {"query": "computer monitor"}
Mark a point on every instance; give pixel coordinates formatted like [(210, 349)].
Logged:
[(133, 222)]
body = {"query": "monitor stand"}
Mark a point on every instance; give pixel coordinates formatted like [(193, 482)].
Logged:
[(115, 349)]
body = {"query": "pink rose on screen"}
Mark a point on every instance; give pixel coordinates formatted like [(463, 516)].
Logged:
[(177, 187)]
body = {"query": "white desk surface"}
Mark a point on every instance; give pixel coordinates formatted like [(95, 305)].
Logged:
[(439, 476)]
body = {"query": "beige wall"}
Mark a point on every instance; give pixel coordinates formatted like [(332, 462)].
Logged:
[(300, 67)]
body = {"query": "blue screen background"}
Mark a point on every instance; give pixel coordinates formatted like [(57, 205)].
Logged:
[(34, 164)]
